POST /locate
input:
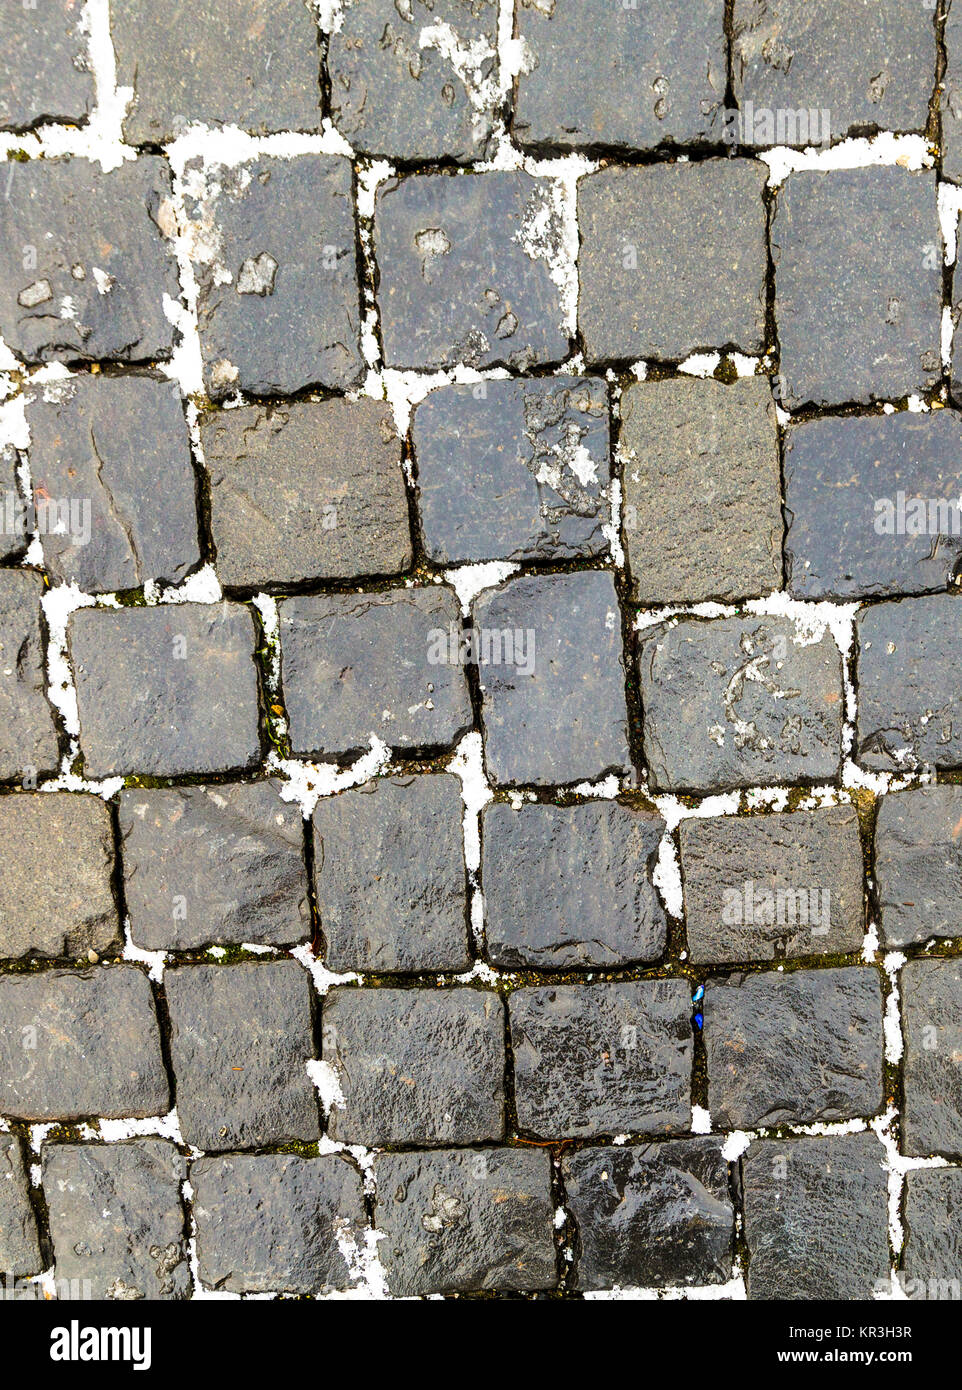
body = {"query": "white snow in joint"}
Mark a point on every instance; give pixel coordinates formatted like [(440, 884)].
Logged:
[(155, 961), (700, 1120), (911, 152), (470, 580), (306, 782), (701, 364), (327, 1084), (950, 205), (363, 1264), (468, 765), (266, 606), (894, 1045), (330, 14), (162, 1126)]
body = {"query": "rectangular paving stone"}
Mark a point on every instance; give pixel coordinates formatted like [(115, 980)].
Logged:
[(651, 1215), (909, 705), (83, 265), (43, 54), (465, 1221), (116, 1219), (702, 504), (255, 65), (213, 864), (858, 285), (514, 470), (28, 736), (570, 887), (19, 1245), (673, 259), (872, 504), (307, 490), (932, 1254), (357, 665), (931, 993), (552, 679), (276, 1223), (166, 690), (770, 887), (739, 702), (816, 1218), (918, 864), (76, 1044), (950, 98), (111, 457), (390, 878), (415, 1066), (13, 529), (602, 1058), (240, 1040), (794, 1048), (465, 271), (278, 299)]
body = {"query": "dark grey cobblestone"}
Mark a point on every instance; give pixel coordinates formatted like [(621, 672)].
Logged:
[(931, 1011), (918, 864), (13, 539), (19, 1245), (951, 98), (932, 1261), (43, 54), (28, 737)]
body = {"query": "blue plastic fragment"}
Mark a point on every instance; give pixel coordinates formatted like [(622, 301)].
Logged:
[(699, 1020), (698, 995)]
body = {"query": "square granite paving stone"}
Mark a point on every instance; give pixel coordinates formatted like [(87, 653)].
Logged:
[(276, 1223), (465, 1221), (117, 1220), (932, 1253), (390, 878), (950, 98), (858, 285), (816, 1217), (357, 665), (278, 299), (570, 887), (622, 76), (931, 993), (909, 701), (794, 1048), (918, 864), (29, 744), (777, 886), (465, 271), (56, 864), (43, 55), (19, 1245), (651, 1216), (553, 702), (99, 264), (415, 1066), (13, 529), (307, 490), (702, 496), (240, 1039), (167, 690), (602, 1058), (673, 259), (78, 1044), (872, 504), (403, 85), (249, 63), (213, 864), (119, 446), (739, 702), (514, 470)]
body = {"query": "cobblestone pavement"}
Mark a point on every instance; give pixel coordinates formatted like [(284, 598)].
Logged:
[(480, 722)]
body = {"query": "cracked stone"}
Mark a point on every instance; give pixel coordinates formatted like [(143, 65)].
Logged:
[(19, 1246), (931, 993), (43, 55), (932, 1254), (918, 864), (28, 737)]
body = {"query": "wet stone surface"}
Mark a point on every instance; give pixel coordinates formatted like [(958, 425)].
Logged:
[(932, 1260), (43, 54), (28, 736), (918, 864), (931, 993), (19, 1246)]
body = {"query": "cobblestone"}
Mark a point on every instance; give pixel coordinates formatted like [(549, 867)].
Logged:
[(28, 737), (44, 60), (951, 98), (918, 864), (933, 1253), (19, 1244), (931, 1001)]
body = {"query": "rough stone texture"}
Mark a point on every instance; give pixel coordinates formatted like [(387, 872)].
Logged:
[(28, 737), (167, 690), (931, 993), (739, 702), (396, 90), (951, 98), (278, 293), (119, 447), (816, 1218), (909, 703), (80, 1043), (116, 1219), (672, 259), (19, 1248), (918, 864), (415, 1066), (858, 285), (275, 1223), (602, 1059), (99, 267), (358, 665), (570, 887), (252, 63), (465, 271), (651, 1216), (872, 504), (553, 701), (458, 1221), (932, 1255), (56, 861), (702, 505), (390, 876), (43, 54), (628, 77), (213, 864), (240, 1038), (795, 1048), (775, 886), (13, 538), (309, 490), (514, 470)]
